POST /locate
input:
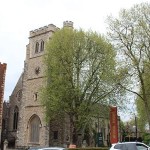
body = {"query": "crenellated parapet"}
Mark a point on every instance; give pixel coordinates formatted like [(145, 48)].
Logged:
[(68, 24), (43, 30)]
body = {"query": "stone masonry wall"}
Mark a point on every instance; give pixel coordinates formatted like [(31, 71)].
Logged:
[(32, 83)]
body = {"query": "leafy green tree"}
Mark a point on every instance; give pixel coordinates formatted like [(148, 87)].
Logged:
[(80, 67), (146, 138), (130, 34), (142, 119)]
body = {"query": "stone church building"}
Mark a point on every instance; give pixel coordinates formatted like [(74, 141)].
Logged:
[(23, 115)]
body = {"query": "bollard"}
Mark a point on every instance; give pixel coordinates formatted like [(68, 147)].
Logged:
[(5, 144)]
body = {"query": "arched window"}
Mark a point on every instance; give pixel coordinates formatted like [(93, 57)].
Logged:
[(37, 47), (42, 46), (16, 114), (34, 125)]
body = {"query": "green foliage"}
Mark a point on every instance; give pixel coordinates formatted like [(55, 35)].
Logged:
[(146, 138), (79, 66), (143, 120), (130, 34), (80, 70)]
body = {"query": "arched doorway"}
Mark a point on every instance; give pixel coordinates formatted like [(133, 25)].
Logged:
[(34, 129)]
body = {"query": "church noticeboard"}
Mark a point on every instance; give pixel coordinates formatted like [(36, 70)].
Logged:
[(100, 139)]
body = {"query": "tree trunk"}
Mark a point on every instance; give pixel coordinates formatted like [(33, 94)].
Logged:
[(71, 129)]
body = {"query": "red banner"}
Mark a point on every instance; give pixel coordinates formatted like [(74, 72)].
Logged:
[(113, 125)]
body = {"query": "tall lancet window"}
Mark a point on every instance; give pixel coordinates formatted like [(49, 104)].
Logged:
[(15, 121), (42, 46), (37, 47)]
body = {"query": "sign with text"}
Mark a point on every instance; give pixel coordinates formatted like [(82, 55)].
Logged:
[(113, 125), (100, 139)]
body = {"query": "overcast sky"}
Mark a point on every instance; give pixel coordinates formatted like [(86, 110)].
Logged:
[(18, 17)]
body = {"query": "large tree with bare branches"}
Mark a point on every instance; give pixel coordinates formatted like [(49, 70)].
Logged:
[(130, 34)]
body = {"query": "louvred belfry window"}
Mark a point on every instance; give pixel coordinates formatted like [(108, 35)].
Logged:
[(42, 46), (37, 47)]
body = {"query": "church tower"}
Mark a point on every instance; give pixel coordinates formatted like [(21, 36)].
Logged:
[(32, 128), (25, 124)]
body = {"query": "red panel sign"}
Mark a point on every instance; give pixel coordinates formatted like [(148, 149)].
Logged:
[(113, 125)]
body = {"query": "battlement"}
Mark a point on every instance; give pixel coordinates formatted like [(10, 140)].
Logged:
[(43, 30), (68, 24)]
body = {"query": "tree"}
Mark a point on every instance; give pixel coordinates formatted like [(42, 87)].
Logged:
[(130, 34), (79, 70), (142, 119), (146, 138)]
